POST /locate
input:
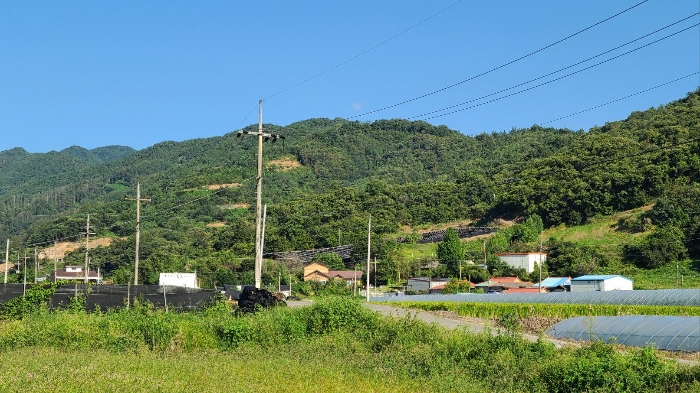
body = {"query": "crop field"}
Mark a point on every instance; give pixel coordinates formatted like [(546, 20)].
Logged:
[(560, 311)]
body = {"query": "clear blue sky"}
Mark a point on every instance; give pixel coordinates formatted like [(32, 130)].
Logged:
[(135, 73)]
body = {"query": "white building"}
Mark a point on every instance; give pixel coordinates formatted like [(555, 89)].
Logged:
[(187, 280), (524, 260), (591, 283)]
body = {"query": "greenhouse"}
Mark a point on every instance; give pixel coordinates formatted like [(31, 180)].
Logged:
[(661, 297), (662, 332)]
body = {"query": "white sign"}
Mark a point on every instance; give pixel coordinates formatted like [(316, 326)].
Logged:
[(188, 280)]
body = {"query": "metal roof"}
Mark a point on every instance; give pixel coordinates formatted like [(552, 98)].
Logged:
[(594, 277), (663, 332), (555, 282), (660, 297)]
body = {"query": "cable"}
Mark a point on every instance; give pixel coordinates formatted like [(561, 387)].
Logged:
[(499, 67), (622, 98), (366, 51), (548, 82), (567, 67)]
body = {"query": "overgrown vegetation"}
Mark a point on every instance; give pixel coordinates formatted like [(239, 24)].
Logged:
[(335, 334)]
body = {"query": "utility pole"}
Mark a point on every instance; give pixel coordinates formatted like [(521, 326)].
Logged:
[(375, 273), (138, 229), (262, 235), (258, 199), (87, 248), (24, 287), (540, 265), (36, 266), (7, 259), (55, 260), (369, 240)]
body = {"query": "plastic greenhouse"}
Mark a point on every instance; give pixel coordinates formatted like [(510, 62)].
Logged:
[(663, 332)]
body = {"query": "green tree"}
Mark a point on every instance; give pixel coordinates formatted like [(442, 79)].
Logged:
[(451, 251), (331, 260), (663, 245)]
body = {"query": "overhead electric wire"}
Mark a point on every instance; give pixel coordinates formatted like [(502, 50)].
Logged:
[(565, 68), (367, 51), (621, 98), (499, 67), (544, 83)]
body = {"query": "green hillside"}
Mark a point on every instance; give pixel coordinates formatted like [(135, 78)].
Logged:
[(324, 179)]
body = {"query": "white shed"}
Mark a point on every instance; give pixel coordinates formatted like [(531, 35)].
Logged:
[(187, 280), (591, 283), (523, 260)]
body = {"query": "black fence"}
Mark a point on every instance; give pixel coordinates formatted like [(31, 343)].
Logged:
[(111, 296), (438, 236)]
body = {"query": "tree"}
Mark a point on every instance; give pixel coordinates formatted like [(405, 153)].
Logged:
[(663, 245), (331, 260), (451, 251)]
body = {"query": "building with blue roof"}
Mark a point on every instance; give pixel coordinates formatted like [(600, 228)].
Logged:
[(555, 284), (592, 282)]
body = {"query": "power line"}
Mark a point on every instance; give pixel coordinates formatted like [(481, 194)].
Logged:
[(499, 67), (544, 83), (567, 67), (366, 51), (622, 98)]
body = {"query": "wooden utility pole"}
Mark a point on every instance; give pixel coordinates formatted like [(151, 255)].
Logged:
[(7, 259), (87, 249), (138, 229), (369, 240), (258, 199)]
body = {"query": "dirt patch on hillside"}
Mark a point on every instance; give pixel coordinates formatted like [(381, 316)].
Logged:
[(219, 186), (235, 206), (217, 224), (285, 163), (63, 248)]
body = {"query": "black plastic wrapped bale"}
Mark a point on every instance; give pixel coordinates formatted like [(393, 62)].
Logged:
[(253, 299)]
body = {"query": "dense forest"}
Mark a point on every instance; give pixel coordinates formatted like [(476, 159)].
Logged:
[(324, 179)]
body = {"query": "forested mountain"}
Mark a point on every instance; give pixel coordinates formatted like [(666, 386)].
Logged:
[(321, 182)]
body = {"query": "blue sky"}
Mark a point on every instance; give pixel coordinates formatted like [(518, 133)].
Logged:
[(135, 73)]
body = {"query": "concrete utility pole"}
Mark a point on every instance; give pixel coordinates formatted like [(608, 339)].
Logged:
[(138, 229), (36, 266), (7, 259), (369, 240), (87, 248), (258, 200), (55, 259)]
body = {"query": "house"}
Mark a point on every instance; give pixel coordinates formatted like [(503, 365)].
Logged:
[(556, 284), (523, 260), (187, 280), (75, 273), (591, 283), (501, 284), (425, 283), (316, 271)]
